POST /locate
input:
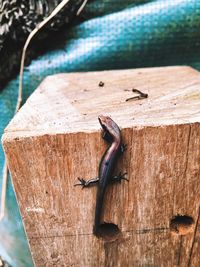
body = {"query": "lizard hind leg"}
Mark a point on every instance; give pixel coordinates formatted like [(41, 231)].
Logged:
[(86, 183)]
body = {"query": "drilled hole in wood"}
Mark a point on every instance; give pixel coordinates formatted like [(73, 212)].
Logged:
[(181, 224), (108, 231)]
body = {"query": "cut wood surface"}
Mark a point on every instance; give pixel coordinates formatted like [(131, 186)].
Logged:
[(56, 137)]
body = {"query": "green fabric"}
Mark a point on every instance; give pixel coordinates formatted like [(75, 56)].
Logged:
[(117, 35)]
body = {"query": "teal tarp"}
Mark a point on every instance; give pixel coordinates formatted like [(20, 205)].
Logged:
[(117, 34)]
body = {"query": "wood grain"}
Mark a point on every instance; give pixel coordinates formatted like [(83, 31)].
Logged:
[(56, 138)]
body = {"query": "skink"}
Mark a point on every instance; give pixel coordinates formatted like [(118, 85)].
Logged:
[(112, 134)]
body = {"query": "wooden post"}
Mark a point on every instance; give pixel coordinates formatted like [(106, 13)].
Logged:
[(55, 138)]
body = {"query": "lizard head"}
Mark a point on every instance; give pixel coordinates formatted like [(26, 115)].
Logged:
[(109, 126)]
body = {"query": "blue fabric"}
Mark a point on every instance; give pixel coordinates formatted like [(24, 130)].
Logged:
[(116, 36)]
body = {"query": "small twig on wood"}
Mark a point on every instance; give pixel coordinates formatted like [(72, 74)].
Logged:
[(20, 90), (140, 96)]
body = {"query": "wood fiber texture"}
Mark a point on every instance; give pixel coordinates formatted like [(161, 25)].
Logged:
[(56, 138)]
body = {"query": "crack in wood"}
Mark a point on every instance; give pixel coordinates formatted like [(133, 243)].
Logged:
[(137, 232), (193, 239), (188, 144), (179, 252), (186, 165), (151, 230)]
